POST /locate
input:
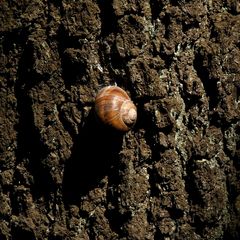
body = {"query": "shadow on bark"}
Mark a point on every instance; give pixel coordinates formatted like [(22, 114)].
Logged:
[(92, 159)]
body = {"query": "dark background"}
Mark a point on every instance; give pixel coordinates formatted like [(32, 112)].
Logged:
[(175, 175)]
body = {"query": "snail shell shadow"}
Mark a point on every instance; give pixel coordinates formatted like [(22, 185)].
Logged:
[(94, 152)]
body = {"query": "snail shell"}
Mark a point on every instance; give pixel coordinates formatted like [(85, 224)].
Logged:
[(114, 108)]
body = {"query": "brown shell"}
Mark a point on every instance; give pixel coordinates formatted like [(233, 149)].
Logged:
[(114, 108)]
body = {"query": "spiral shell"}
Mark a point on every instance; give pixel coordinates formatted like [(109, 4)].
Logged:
[(114, 108)]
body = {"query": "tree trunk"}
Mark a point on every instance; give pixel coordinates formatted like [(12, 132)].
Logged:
[(174, 175)]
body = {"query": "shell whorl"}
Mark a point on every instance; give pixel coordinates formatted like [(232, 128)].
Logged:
[(114, 108)]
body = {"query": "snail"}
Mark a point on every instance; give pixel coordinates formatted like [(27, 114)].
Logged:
[(114, 108)]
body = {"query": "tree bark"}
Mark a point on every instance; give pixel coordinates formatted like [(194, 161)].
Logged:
[(175, 175)]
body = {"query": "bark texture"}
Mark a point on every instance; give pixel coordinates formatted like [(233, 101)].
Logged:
[(175, 175)]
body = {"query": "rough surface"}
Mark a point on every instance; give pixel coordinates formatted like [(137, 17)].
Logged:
[(175, 175)]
